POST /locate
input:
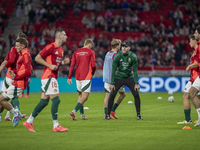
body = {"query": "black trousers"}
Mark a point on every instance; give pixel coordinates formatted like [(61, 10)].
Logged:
[(130, 83)]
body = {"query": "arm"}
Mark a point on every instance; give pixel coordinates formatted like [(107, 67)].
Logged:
[(114, 68), (3, 64), (11, 56), (41, 61), (135, 65), (195, 64), (27, 64), (73, 61), (93, 60)]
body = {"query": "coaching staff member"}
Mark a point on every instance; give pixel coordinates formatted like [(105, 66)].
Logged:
[(124, 72)]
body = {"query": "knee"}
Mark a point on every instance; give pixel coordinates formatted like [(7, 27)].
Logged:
[(185, 96), (191, 95), (45, 102)]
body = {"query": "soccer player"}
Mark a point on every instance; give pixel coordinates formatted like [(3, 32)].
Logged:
[(124, 72), (10, 62), (107, 69), (85, 60), (53, 54), (28, 88), (194, 74), (20, 76), (196, 85)]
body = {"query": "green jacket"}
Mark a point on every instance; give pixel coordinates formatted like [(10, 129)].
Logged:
[(124, 66)]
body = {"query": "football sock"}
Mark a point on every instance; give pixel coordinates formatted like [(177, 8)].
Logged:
[(38, 108), (187, 114), (137, 104), (81, 110), (115, 107), (198, 111), (55, 123), (105, 110), (54, 107), (27, 90), (30, 119), (14, 112), (15, 103), (7, 114), (78, 106)]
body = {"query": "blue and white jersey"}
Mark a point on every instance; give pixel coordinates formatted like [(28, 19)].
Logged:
[(107, 66)]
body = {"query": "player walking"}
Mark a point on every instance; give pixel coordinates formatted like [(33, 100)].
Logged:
[(85, 60)]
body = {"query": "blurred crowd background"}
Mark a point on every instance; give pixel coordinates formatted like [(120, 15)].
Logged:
[(158, 30)]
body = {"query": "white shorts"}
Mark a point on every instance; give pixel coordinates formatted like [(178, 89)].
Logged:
[(107, 88), (6, 83), (83, 85), (50, 86), (188, 86), (196, 83), (12, 92)]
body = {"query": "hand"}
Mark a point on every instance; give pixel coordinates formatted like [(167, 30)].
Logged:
[(69, 81), (12, 74), (66, 61), (188, 69), (137, 87), (53, 67), (112, 88)]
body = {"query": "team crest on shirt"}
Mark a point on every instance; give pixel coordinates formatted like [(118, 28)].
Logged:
[(55, 90), (129, 59)]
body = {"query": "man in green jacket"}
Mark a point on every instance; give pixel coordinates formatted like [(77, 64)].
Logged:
[(124, 72)]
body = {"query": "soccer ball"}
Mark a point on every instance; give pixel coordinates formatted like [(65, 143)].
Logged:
[(170, 92), (171, 99)]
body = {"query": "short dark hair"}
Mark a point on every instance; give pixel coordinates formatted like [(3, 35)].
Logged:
[(22, 41), (57, 31), (21, 35), (192, 37), (198, 29)]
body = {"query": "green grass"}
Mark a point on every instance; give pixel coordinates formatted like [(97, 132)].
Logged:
[(158, 130)]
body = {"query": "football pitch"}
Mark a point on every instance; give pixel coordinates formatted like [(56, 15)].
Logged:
[(157, 131)]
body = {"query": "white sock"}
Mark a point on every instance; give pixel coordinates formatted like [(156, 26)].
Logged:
[(8, 114), (198, 111), (55, 123), (18, 111), (30, 119), (14, 112)]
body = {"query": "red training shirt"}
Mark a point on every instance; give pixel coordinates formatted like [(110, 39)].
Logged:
[(23, 69), (86, 64), (53, 55)]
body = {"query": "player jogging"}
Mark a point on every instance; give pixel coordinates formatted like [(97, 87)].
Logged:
[(194, 74), (53, 54), (20, 76), (86, 66), (107, 70), (10, 62), (124, 72)]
